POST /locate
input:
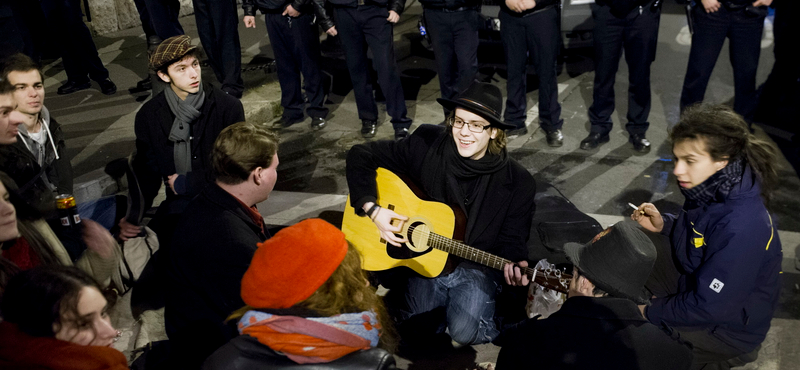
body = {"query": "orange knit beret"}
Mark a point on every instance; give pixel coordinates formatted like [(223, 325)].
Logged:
[(290, 266)]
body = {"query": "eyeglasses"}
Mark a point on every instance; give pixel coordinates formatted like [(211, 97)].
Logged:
[(473, 126)]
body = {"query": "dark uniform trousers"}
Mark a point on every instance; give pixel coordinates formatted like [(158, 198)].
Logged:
[(454, 35), (78, 51), (363, 26), (710, 31), (537, 34), (638, 34), (217, 26), (160, 17), (295, 44)]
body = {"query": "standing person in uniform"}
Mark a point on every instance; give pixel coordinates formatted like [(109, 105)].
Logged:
[(453, 28), (294, 39), (370, 23), (632, 25), (78, 52), (217, 26), (741, 21), (532, 27), (719, 283), (465, 164)]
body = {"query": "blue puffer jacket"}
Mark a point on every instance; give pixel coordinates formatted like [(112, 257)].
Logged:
[(731, 256)]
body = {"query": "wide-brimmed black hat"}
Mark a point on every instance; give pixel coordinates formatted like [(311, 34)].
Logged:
[(480, 98), (618, 260)]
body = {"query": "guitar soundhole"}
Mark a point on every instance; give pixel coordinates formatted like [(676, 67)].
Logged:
[(417, 243)]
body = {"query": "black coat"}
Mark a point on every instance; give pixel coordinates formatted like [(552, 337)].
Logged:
[(154, 160), (20, 164), (591, 333), (503, 224), (245, 353), (212, 247)]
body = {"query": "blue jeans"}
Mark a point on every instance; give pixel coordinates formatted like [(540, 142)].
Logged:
[(468, 297), (103, 211)]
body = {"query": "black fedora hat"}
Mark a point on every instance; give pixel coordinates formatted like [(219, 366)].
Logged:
[(480, 98), (618, 260)]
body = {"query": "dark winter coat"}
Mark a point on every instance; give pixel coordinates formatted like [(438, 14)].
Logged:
[(591, 333), (275, 6), (731, 256), (503, 224), (325, 22), (154, 160), (211, 249), (245, 352), (19, 163)]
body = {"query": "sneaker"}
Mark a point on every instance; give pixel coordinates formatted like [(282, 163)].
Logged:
[(107, 87), (317, 123), (71, 86)]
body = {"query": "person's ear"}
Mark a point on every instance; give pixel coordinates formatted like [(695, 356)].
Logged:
[(164, 77), (257, 175), (494, 133), (585, 286), (718, 165)]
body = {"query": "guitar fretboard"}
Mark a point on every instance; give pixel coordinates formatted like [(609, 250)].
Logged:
[(462, 250)]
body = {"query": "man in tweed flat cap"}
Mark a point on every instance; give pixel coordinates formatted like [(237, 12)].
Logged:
[(175, 132)]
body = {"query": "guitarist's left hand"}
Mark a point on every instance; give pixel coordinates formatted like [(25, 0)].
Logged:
[(513, 274)]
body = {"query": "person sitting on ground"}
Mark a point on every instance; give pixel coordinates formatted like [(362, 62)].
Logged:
[(308, 302), (719, 283), (599, 325), (56, 317), (465, 164), (175, 132), (30, 242), (37, 160), (215, 240)]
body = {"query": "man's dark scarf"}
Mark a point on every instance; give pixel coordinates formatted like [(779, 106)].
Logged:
[(186, 112), (443, 158), (719, 185)]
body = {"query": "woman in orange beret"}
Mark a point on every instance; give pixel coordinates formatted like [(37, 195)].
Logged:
[(308, 301)]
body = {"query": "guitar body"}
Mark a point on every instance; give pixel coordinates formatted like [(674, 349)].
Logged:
[(396, 194)]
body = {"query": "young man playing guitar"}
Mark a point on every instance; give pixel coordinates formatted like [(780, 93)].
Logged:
[(464, 164)]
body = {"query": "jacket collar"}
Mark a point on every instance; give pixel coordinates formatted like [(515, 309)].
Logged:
[(216, 195)]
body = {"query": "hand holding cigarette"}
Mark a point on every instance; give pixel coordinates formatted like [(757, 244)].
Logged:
[(648, 217)]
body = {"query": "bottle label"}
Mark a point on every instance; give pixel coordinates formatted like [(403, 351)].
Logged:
[(76, 218), (64, 221)]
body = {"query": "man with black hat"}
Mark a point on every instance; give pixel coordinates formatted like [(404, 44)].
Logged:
[(466, 164), (175, 132), (599, 325)]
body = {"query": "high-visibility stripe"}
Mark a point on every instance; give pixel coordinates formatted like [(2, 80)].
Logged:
[(772, 231)]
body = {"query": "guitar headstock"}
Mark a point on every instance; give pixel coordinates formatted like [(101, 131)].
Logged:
[(551, 277)]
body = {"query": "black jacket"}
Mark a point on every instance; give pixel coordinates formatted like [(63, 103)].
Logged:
[(450, 4), (154, 160), (591, 333), (621, 8), (503, 225), (245, 353), (211, 249), (20, 164), (273, 6), (324, 20), (539, 6)]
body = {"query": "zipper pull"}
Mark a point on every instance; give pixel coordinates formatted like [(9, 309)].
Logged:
[(290, 20), (640, 10)]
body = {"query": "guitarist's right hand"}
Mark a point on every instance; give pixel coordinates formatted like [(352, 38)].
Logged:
[(383, 219)]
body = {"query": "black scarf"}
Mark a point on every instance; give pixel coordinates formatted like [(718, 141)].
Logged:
[(718, 186), (443, 158)]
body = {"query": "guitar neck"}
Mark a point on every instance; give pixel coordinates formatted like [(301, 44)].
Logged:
[(464, 251)]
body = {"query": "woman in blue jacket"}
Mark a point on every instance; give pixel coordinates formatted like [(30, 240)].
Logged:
[(719, 286)]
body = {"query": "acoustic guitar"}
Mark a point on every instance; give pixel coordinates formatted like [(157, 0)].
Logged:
[(431, 230)]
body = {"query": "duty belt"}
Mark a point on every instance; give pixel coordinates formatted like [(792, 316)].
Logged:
[(451, 10)]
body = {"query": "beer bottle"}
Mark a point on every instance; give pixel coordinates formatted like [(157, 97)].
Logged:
[(67, 210)]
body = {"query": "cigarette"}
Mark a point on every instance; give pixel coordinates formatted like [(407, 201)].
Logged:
[(635, 208)]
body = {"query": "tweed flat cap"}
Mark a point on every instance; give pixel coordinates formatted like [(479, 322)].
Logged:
[(171, 49)]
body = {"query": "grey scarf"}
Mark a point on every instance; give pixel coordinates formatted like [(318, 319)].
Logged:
[(186, 112)]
